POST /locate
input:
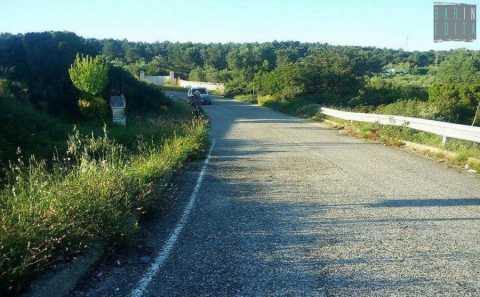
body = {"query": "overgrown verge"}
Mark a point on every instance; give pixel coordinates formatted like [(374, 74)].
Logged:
[(96, 189), (456, 152), (246, 98), (171, 87)]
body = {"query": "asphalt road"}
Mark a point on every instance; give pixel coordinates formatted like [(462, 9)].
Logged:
[(292, 208)]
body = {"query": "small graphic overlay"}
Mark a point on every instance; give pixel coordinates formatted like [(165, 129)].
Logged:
[(454, 22)]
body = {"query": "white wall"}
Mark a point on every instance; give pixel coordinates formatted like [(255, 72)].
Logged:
[(161, 80), (158, 80), (207, 85)]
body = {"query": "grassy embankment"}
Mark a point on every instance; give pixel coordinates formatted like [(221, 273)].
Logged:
[(172, 87), (455, 152), (71, 187)]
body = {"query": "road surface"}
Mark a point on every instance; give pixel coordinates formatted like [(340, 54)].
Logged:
[(292, 208)]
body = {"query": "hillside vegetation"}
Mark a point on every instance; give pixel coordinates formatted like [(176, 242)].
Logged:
[(69, 177), (341, 76)]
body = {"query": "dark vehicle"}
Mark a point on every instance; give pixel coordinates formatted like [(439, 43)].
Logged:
[(202, 95)]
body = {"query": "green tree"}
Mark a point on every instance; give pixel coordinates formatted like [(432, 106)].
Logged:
[(89, 75), (455, 102), (197, 74), (456, 92), (460, 67)]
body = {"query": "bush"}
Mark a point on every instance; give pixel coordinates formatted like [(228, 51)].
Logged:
[(246, 98), (309, 110), (141, 97), (24, 129), (380, 91), (94, 108), (40, 61), (267, 100), (89, 75), (410, 108), (455, 102), (13, 89), (197, 74)]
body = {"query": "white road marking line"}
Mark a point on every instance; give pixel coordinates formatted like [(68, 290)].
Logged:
[(159, 261)]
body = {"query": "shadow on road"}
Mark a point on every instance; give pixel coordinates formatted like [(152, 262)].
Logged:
[(428, 202), (283, 241)]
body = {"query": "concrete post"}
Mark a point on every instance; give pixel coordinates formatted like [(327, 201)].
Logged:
[(142, 75), (444, 140)]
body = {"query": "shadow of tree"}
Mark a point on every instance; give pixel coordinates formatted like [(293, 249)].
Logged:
[(452, 202)]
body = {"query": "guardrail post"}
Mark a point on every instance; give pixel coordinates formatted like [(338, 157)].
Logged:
[(444, 140)]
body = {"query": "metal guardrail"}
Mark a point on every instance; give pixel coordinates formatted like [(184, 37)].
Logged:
[(444, 129)]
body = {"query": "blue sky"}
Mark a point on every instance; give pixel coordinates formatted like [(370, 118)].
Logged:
[(406, 24)]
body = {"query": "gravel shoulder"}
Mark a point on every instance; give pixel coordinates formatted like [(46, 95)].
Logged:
[(292, 208)]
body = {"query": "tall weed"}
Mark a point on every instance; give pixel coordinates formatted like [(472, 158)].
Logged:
[(94, 192)]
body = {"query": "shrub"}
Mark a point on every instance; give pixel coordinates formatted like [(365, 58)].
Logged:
[(474, 164), (24, 129), (411, 108), (246, 98), (309, 110), (94, 108), (380, 91), (455, 102), (89, 75), (13, 89), (141, 97), (266, 100)]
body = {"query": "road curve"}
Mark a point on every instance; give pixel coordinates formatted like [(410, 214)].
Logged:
[(292, 208)]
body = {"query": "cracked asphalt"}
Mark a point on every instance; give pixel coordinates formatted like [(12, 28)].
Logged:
[(292, 208)]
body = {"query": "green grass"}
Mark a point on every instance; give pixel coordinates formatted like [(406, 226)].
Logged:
[(169, 87), (217, 93), (300, 107), (409, 108), (96, 188), (246, 98)]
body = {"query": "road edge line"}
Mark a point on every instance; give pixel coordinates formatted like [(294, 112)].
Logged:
[(160, 259)]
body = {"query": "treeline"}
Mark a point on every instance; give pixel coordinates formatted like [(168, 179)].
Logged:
[(36, 65), (34, 68), (183, 58), (345, 76), (455, 93), (447, 92)]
